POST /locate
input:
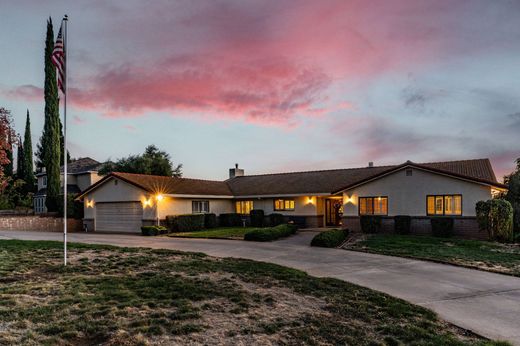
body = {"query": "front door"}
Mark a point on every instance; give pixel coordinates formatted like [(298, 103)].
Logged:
[(333, 211)]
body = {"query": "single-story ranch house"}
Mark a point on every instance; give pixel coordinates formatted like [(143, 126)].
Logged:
[(124, 202)]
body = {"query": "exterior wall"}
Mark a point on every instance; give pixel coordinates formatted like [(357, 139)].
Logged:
[(178, 206), (40, 182), (86, 179), (407, 194), (463, 227), (37, 223), (302, 205)]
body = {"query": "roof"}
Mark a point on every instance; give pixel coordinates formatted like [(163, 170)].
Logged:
[(294, 183), (168, 185), (81, 165)]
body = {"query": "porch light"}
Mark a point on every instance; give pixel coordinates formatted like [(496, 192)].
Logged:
[(309, 200), (159, 197)]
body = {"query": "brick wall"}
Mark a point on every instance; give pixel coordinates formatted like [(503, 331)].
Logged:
[(464, 227), (37, 223)]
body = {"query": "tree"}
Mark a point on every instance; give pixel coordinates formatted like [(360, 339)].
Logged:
[(28, 167), (8, 168), (513, 195), (6, 133), (50, 146), (152, 161), (20, 173)]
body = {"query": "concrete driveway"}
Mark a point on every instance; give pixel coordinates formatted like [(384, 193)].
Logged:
[(486, 303)]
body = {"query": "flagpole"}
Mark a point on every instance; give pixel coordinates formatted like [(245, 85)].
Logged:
[(65, 20)]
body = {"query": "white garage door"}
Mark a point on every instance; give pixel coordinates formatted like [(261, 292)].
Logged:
[(119, 217)]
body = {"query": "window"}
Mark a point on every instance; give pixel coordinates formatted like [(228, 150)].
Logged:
[(44, 181), (283, 204), (244, 207), (373, 205), (444, 205), (199, 207)]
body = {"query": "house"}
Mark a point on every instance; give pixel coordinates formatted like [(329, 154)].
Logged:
[(124, 202), (81, 174)]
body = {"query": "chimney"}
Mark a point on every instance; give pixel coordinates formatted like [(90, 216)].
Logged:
[(370, 164), (236, 172)]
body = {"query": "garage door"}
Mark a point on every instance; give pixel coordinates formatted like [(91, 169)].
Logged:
[(119, 217)]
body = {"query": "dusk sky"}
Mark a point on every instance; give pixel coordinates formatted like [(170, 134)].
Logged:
[(276, 85)]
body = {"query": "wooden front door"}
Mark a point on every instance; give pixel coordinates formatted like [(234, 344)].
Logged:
[(333, 212)]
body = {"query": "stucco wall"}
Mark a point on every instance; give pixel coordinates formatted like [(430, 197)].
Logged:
[(177, 206), (302, 205), (86, 179), (407, 194)]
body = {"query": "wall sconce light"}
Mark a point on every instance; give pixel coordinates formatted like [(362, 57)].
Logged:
[(159, 197), (89, 204), (309, 200), (147, 202)]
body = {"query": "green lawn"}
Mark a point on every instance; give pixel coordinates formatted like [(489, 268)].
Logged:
[(116, 296), (221, 232), (496, 257)]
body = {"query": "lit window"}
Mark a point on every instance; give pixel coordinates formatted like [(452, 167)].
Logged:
[(244, 207), (373, 205), (199, 207), (283, 204), (444, 205)]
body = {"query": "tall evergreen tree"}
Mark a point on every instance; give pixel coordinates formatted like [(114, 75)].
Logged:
[(8, 167), (50, 141), (28, 166), (20, 174)]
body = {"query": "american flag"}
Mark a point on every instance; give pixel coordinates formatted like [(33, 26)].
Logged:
[(58, 59)]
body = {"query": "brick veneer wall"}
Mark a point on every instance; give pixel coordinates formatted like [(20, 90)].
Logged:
[(37, 223), (464, 227)]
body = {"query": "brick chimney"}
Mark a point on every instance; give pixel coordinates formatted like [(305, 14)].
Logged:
[(236, 172)]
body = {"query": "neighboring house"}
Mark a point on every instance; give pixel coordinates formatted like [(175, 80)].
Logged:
[(82, 173), (124, 202)]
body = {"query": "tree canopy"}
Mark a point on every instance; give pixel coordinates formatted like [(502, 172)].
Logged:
[(513, 195), (152, 161), (6, 135)]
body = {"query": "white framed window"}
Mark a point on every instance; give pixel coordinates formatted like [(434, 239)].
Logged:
[(199, 207)]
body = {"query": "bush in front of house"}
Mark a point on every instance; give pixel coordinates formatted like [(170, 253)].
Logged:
[(442, 226), (189, 222), (257, 217), (371, 223), (230, 220), (402, 224), (210, 220), (496, 217), (271, 233), (153, 230), (332, 238), (276, 219)]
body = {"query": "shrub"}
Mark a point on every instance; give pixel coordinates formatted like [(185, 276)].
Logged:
[(402, 224), (271, 233), (210, 220), (230, 220), (496, 217), (275, 219), (332, 238), (189, 222), (171, 223), (153, 230), (371, 223), (257, 217), (442, 226)]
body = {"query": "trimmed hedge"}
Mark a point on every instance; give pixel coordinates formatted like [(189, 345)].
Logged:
[(153, 230), (230, 220), (189, 222), (371, 223), (257, 217), (332, 238), (270, 233), (276, 219), (442, 226), (210, 220), (402, 224)]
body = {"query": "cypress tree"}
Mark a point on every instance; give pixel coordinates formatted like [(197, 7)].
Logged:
[(20, 174), (8, 167), (50, 141), (28, 167)]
